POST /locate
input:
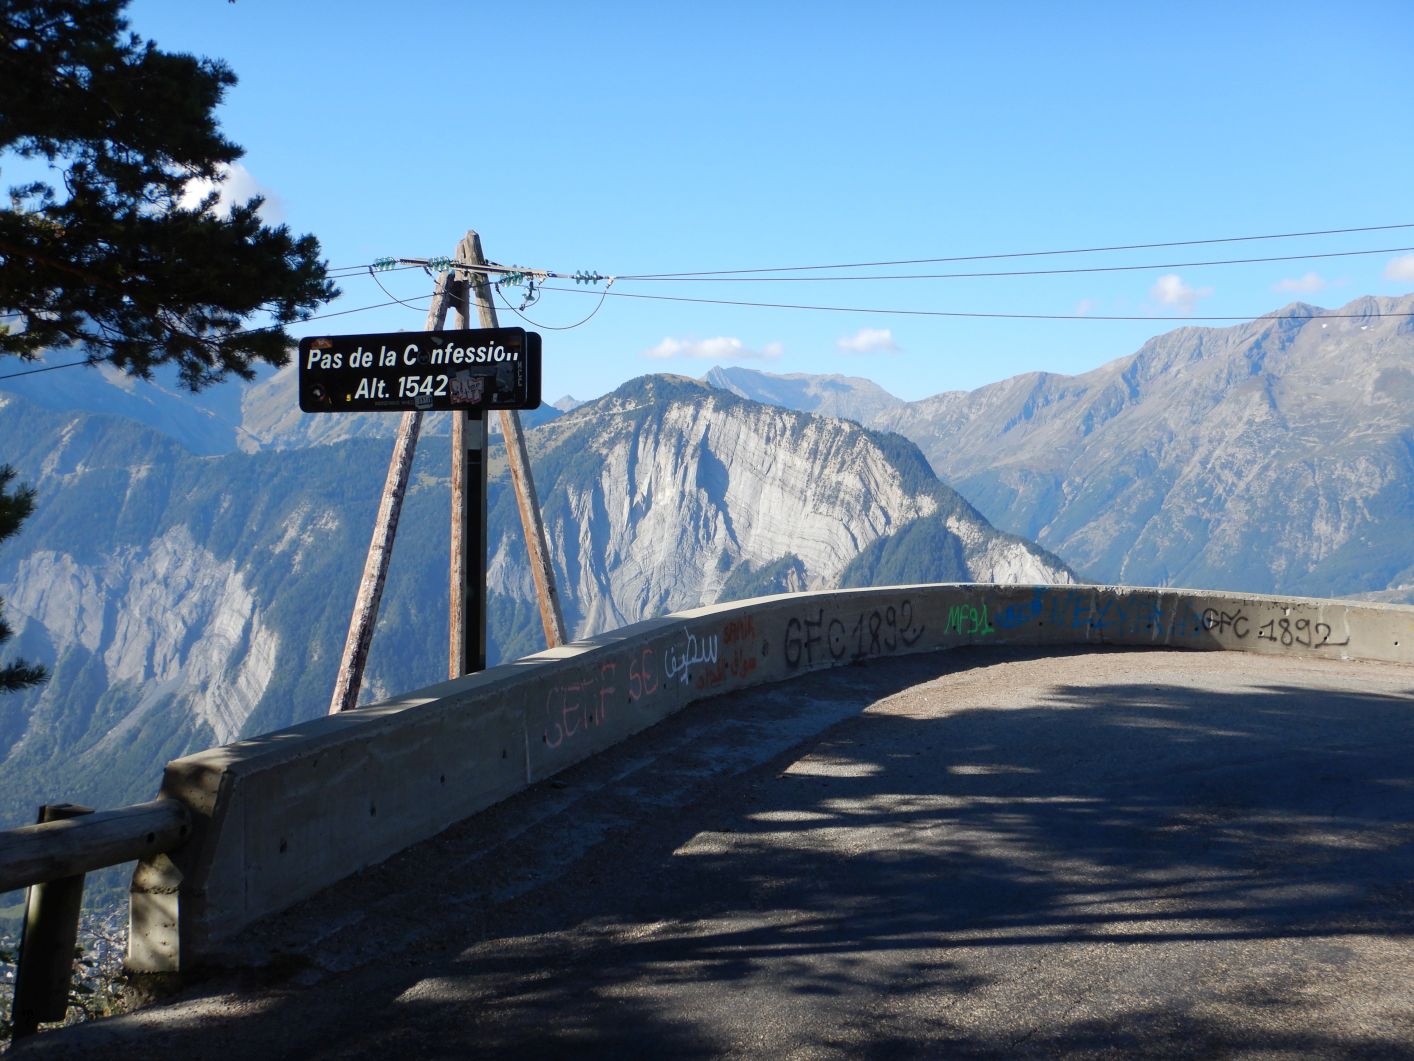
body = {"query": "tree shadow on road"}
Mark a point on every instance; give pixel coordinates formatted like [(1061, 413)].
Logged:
[(1159, 863)]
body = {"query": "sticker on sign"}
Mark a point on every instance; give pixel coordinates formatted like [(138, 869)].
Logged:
[(464, 368)]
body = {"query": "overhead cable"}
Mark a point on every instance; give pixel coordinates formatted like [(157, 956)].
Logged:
[(557, 327), (1020, 272), (1015, 254), (960, 313), (246, 331)]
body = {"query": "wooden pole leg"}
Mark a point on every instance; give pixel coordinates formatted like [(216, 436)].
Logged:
[(51, 932)]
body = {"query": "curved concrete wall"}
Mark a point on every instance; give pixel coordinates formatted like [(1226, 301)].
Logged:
[(284, 815)]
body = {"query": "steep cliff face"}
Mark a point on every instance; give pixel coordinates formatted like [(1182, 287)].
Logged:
[(1275, 456), (167, 617), (179, 600), (656, 494)]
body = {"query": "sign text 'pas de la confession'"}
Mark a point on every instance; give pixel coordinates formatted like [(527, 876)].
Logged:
[(468, 368)]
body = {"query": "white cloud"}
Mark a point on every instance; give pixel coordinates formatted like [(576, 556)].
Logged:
[(868, 341), (1170, 290), (1401, 268), (722, 348), (1085, 307), (236, 184), (1306, 285)]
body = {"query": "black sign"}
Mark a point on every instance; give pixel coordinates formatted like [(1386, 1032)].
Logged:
[(473, 369)]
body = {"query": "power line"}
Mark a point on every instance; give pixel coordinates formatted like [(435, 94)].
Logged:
[(959, 313), (344, 272), (337, 313), (721, 275), (1019, 272), (1017, 254), (557, 327), (385, 291), (247, 331), (55, 368)]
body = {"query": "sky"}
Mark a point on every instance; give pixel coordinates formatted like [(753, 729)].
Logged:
[(629, 138)]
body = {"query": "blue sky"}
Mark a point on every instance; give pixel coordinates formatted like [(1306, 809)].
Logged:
[(632, 138)]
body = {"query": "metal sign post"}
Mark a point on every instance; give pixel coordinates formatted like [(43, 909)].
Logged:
[(466, 618)]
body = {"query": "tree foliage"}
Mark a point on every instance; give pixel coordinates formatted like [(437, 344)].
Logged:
[(15, 505), (113, 263)]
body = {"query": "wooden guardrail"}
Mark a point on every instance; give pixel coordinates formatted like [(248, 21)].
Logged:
[(51, 858), (36, 854)]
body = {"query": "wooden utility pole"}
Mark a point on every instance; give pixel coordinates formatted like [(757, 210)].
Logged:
[(467, 641), (518, 457), (385, 528)]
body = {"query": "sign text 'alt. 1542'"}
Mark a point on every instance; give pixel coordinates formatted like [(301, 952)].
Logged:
[(468, 368)]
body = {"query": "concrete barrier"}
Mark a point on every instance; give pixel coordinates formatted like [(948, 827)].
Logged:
[(279, 817)]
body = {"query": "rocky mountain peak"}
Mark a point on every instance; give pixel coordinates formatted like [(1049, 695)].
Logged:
[(1270, 456)]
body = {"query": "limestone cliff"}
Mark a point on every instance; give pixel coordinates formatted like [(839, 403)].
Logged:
[(657, 493)]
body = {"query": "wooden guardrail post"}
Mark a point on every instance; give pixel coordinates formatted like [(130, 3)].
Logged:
[(51, 932)]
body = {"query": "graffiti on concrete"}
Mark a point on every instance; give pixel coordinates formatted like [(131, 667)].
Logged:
[(1288, 632), (1103, 614), (574, 707), (1282, 629), (726, 656), (742, 629), (814, 639), (738, 662), (642, 677), (969, 620), (678, 660)]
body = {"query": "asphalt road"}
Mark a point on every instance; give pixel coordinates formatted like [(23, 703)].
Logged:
[(968, 854)]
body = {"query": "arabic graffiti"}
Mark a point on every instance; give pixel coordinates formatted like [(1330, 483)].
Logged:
[(677, 662), (741, 663), (872, 633)]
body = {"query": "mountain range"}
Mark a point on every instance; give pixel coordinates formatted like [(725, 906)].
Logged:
[(1276, 456), (193, 585), (191, 563)]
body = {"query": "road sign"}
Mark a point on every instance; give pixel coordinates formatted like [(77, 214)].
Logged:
[(467, 368)]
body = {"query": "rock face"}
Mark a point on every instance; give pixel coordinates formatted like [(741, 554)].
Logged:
[(655, 495), (1275, 457), (178, 600), (165, 617)]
